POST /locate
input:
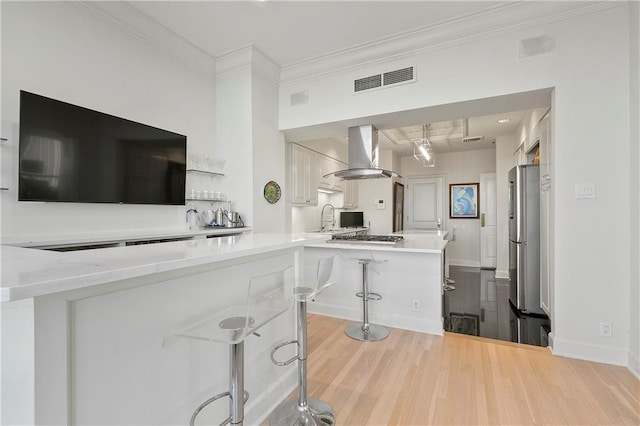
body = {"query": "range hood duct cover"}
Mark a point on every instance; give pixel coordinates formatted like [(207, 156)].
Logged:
[(363, 155)]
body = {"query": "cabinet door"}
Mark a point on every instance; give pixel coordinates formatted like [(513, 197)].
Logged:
[(350, 193), (325, 167), (304, 176), (299, 161), (338, 184), (311, 190)]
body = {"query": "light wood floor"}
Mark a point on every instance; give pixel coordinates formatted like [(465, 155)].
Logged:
[(420, 379)]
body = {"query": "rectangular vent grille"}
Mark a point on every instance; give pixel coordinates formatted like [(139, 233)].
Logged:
[(398, 76), (472, 139), (367, 83), (385, 79)]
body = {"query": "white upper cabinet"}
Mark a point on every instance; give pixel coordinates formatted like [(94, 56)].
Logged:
[(350, 194), (338, 184), (304, 176), (328, 165)]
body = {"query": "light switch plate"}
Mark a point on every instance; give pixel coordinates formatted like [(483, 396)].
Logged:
[(585, 190)]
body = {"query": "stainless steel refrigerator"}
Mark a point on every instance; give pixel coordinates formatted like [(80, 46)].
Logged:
[(524, 239)]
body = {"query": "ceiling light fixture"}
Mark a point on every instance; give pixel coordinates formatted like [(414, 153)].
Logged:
[(504, 120), (423, 154)]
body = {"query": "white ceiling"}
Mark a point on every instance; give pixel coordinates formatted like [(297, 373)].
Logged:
[(291, 32)]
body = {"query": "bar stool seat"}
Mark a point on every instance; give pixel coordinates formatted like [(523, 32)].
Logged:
[(268, 296), (365, 331), (306, 411)]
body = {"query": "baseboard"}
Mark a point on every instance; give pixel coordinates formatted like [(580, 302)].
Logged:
[(634, 364), (403, 322), (258, 410), (464, 262), (587, 352), (502, 274)]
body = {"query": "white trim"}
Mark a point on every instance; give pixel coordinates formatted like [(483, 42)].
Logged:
[(420, 325), (634, 364), (502, 274), (126, 18), (588, 352), (494, 22), (247, 58), (465, 262)]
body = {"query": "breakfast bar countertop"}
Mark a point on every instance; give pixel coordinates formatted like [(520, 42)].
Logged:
[(416, 245), (28, 272), (106, 237)]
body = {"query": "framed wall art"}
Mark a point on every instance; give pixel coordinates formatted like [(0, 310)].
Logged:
[(463, 200)]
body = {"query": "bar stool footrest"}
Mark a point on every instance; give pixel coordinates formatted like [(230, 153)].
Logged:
[(214, 398), (370, 296), (282, 345)]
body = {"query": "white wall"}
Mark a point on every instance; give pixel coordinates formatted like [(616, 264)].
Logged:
[(369, 192), (457, 167), (589, 70), (234, 131), (57, 50), (634, 159)]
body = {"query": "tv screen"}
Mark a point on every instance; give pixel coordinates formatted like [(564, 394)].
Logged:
[(351, 219), (72, 154)]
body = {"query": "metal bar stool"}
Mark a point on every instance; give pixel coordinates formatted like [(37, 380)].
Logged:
[(306, 411), (365, 331), (268, 296)]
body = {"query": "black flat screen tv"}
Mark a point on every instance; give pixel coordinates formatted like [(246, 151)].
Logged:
[(351, 220), (72, 154)]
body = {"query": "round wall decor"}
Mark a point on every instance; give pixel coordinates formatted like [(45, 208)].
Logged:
[(272, 192)]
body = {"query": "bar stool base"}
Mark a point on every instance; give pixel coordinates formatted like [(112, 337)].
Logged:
[(371, 334), (315, 413)]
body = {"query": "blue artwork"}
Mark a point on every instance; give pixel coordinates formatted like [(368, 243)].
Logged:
[(463, 199)]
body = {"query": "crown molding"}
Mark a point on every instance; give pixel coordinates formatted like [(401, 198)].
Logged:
[(244, 59), (503, 19), (131, 21)]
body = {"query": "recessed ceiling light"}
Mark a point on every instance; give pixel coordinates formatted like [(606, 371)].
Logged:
[(504, 120)]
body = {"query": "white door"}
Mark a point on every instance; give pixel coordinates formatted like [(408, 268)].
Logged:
[(423, 203), (488, 221)]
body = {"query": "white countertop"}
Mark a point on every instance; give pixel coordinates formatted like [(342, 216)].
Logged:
[(415, 245), (104, 237), (28, 272), (435, 233), (339, 231)]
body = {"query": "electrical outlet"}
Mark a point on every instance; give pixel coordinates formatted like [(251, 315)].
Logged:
[(415, 306), (605, 328)]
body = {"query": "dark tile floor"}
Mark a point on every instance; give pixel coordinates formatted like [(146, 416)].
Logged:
[(479, 306)]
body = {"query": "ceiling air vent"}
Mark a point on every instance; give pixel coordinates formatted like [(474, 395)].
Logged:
[(398, 76), (385, 79), (472, 139), (367, 83)]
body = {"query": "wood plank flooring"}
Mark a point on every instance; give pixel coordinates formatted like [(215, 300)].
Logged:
[(420, 379)]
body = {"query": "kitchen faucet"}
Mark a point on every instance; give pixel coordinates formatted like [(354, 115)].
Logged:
[(323, 220)]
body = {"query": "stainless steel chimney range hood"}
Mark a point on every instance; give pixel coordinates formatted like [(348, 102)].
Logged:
[(363, 155)]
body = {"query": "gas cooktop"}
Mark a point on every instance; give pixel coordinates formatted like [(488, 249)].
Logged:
[(367, 239)]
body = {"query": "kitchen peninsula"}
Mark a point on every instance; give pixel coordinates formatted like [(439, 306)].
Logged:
[(409, 277), (101, 315)]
